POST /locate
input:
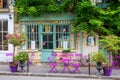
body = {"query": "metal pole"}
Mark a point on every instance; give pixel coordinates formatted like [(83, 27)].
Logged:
[(28, 65), (89, 63)]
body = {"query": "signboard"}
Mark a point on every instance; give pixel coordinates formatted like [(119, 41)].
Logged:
[(1, 3), (8, 57), (32, 44)]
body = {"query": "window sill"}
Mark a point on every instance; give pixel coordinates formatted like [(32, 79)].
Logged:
[(62, 50), (30, 50), (4, 10)]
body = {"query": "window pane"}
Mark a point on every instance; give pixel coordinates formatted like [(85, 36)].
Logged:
[(32, 35), (0, 38), (47, 28), (3, 32), (5, 25), (50, 37), (50, 45), (5, 4), (47, 41), (62, 36), (0, 26), (45, 38), (45, 46)]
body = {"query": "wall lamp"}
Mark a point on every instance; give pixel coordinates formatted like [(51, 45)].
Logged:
[(10, 17)]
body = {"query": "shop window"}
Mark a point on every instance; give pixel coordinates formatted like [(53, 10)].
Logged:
[(32, 36), (62, 36), (3, 32)]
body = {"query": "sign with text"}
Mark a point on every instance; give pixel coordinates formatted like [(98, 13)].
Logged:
[(6, 57), (9, 57), (32, 44)]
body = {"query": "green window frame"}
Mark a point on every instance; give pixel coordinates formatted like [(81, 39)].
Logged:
[(32, 32), (48, 36)]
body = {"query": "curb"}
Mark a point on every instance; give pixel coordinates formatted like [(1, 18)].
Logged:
[(60, 75)]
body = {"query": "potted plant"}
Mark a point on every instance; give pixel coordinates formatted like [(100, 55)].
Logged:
[(66, 50), (22, 57), (16, 40), (98, 58), (112, 45)]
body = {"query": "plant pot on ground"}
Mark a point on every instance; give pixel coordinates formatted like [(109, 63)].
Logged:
[(107, 68), (22, 57), (16, 40), (111, 43), (107, 71), (98, 58), (13, 66)]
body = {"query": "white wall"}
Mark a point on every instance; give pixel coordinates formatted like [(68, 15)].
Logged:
[(89, 49)]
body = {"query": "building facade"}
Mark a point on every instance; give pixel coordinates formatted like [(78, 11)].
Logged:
[(45, 34), (6, 26), (54, 33)]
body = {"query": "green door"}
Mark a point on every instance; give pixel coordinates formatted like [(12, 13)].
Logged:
[(47, 42)]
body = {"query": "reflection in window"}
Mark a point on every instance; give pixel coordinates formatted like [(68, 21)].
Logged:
[(3, 32)]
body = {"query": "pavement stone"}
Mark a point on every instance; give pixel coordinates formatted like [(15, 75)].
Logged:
[(42, 70)]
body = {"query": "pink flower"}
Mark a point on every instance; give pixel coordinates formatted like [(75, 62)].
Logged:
[(16, 35), (7, 36)]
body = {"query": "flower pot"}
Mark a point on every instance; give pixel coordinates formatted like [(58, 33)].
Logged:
[(99, 67), (107, 71), (13, 68), (22, 65)]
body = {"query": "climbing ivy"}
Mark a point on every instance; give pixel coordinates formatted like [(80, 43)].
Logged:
[(37, 7), (89, 18)]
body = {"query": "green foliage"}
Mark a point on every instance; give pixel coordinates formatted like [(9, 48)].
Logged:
[(110, 43), (89, 18), (37, 7), (93, 19), (66, 50), (22, 56), (98, 57)]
